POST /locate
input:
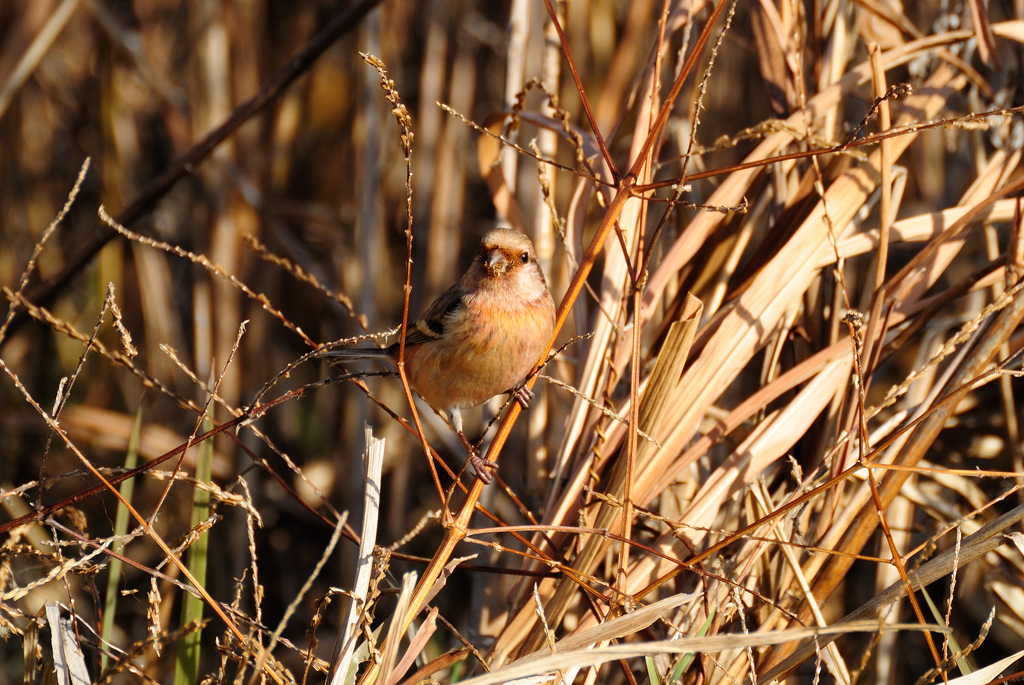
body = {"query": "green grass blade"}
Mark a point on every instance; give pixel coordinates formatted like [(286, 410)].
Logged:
[(131, 459), (186, 670), (652, 671), (684, 663), (954, 646)]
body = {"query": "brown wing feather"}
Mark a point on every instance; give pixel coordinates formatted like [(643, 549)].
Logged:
[(431, 326)]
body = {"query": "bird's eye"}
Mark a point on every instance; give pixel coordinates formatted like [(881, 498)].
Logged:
[(525, 258)]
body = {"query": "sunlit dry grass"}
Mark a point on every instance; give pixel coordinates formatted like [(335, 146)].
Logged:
[(786, 239)]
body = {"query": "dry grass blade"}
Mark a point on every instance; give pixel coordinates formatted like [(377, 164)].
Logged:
[(664, 378), (442, 662), (620, 626), (344, 646), (773, 438), (35, 53), (590, 657), (416, 645), (982, 542), (663, 381), (988, 673), (983, 31), (390, 655), (67, 654)]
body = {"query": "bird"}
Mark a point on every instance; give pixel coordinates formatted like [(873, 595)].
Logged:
[(482, 337)]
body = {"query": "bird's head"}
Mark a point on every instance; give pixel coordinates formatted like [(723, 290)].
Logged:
[(504, 251), (508, 260)]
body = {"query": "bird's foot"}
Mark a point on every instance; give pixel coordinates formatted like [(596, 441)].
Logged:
[(483, 468), (522, 395)]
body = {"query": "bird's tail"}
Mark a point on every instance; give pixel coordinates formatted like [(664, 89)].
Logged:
[(353, 354)]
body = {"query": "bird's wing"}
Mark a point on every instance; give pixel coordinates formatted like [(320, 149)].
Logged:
[(432, 325)]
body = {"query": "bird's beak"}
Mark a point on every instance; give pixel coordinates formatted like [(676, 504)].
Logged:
[(496, 262)]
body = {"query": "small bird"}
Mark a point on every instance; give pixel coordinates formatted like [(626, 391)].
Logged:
[(481, 337)]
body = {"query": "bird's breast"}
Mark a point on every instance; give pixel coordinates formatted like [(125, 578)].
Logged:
[(484, 352)]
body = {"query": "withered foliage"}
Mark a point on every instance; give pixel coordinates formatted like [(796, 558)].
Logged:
[(778, 432)]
